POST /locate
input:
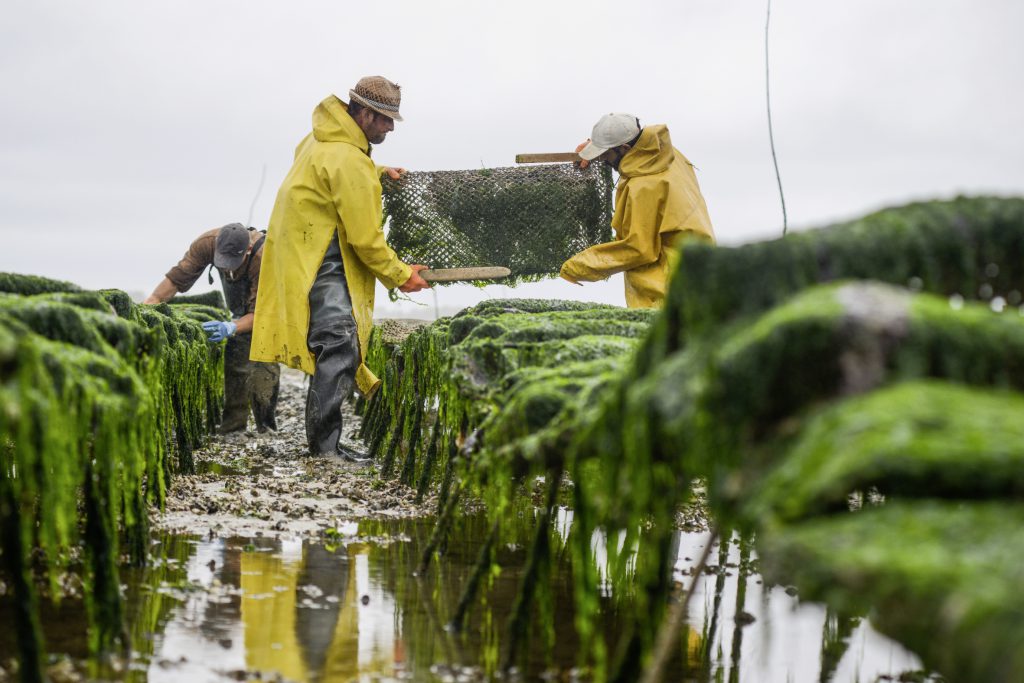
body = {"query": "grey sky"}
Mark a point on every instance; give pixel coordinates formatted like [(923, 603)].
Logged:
[(127, 128)]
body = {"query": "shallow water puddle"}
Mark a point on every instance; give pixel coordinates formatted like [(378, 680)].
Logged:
[(221, 609)]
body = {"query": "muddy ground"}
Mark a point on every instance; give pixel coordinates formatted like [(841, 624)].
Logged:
[(252, 484)]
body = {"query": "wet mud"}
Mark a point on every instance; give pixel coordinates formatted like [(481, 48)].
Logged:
[(266, 484)]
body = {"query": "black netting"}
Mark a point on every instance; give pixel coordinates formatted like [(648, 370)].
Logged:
[(528, 218)]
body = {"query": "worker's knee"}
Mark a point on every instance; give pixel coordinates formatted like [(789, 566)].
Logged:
[(338, 335)]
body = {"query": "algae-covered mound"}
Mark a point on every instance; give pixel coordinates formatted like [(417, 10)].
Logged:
[(213, 299), (100, 400), (941, 576), (485, 397), (794, 399), (481, 368), (877, 363), (16, 283)]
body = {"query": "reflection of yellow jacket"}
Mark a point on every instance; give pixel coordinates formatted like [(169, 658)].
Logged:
[(268, 615), (658, 206), (333, 188)]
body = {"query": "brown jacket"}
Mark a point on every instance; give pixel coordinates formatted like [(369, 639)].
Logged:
[(199, 257)]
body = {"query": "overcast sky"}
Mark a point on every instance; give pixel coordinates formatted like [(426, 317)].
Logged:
[(127, 128)]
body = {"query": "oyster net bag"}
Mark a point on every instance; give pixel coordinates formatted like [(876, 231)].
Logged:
[(529, 219)]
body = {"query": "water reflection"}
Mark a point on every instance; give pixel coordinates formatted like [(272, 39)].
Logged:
[(351, 610), (743, 630)]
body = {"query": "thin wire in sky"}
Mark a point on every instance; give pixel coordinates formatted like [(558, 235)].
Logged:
[(771, 136), (252, 207)]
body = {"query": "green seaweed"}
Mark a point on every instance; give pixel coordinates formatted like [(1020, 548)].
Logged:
[(211, 299), (16, 283), (941, 576), (787, 375), (529, 219), (916, 439), (92, 390)]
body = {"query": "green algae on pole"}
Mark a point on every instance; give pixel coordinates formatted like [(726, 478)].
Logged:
[(503, 379)]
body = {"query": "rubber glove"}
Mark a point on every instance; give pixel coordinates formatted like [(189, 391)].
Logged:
[(219, 330)]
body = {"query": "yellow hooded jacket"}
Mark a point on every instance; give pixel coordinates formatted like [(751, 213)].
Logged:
[(658, 206), (333, 189)]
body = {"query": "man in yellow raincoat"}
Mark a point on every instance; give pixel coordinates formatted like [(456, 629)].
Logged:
[(325, 248), (658, 207)]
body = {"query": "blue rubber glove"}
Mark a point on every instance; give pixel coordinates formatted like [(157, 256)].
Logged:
[(219, 330)]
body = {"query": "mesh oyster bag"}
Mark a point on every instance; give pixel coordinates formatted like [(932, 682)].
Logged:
[(529, 219)]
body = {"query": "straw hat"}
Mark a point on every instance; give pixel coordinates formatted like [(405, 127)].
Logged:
[(378, 94)]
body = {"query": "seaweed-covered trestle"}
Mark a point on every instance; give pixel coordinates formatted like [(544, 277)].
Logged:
[(794, 400), (876, 364), (479, 402), (99, 398)]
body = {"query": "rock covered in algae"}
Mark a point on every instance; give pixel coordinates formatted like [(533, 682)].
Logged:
[(709, 405), (785, 394)]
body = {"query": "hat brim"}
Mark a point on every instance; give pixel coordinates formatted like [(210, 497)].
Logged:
[(225, 263), (591, 152), (394, 115)]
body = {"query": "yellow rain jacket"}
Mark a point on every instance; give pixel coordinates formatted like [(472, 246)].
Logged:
[(333, 189), (658, 206)]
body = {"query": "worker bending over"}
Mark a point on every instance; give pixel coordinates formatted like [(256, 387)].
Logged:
[(236, 252), (658, 207)]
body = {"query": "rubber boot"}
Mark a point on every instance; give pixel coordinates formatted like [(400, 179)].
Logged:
[(236, 384), (333, 341), (265, 385)]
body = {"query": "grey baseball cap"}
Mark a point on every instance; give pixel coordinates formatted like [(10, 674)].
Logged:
[(611, 131), (232, 243)]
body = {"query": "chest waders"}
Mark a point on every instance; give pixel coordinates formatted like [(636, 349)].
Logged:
[(334, 344), (247, 384)]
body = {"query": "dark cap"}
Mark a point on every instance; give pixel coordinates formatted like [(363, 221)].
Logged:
[(232, 243)]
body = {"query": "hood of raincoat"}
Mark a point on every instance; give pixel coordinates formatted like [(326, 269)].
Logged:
[(653, 153), (332, 123)]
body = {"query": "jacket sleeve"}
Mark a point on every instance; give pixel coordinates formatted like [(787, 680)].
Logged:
[(639, 244), (356, 192), (198, 257)]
